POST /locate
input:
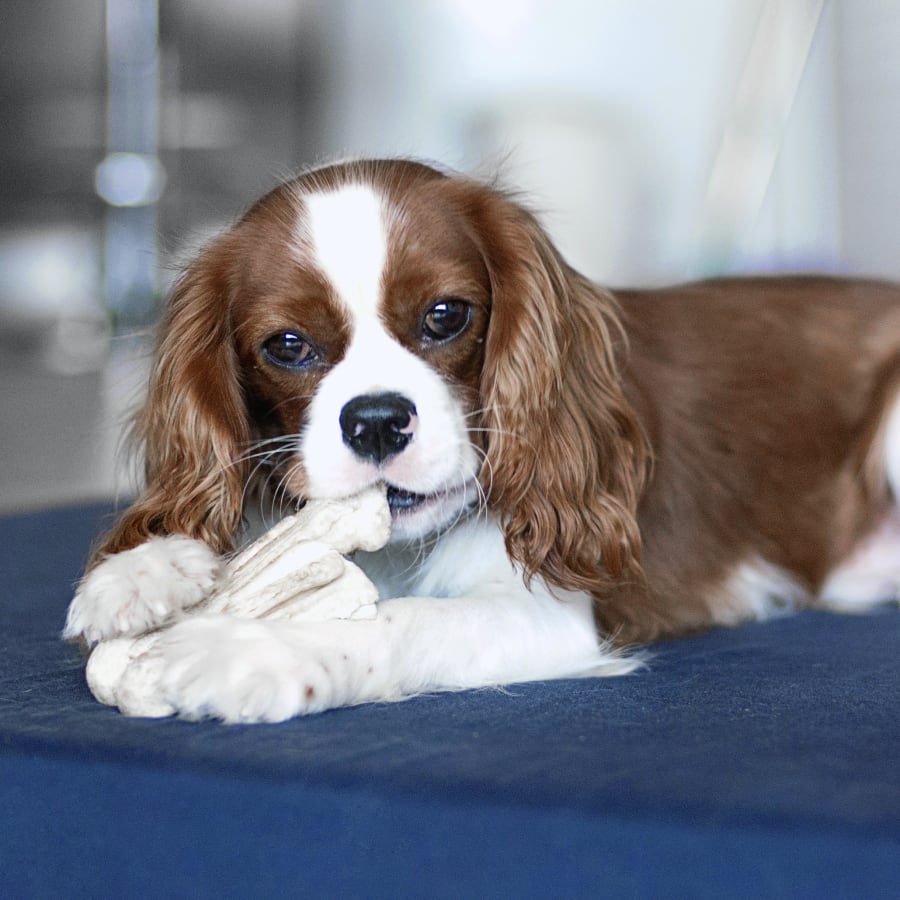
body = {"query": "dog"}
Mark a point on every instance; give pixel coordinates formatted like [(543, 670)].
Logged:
[(570, 470)]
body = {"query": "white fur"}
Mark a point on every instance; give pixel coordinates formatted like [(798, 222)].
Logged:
[(439, 460), (892, 450), (130, 592), (757, 590), (348, 238), (872, 573), (346, 234)]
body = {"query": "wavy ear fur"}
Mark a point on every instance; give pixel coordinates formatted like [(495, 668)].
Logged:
[(566, 456), (194, 425)]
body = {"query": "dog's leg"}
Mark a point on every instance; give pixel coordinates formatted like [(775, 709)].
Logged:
[(128, 593), (262, 670), (872, 573)]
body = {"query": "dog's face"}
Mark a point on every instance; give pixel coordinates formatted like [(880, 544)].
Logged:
[(363, 340), (382, 321)]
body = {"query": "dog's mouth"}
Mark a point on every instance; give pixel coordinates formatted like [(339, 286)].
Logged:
[(415, 515), (401, 501)]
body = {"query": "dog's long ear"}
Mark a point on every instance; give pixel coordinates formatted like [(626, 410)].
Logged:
[(566, 457), (194, 425)]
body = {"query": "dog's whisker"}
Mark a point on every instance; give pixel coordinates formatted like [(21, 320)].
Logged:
[(280, 444), (484, 494), (281, 494), (268, 462)]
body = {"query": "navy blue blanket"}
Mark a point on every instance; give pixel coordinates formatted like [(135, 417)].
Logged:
[(752, 762)]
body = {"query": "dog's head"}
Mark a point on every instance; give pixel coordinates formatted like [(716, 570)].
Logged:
[(383, 321)]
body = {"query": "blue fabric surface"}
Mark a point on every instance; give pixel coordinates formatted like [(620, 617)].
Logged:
[(758, 761)]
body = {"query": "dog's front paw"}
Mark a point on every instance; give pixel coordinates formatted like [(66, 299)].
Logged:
[(130, 592), (236, 670), (223, 668)]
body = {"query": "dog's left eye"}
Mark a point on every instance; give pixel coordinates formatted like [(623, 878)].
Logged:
[(289, 350), (446, 319)]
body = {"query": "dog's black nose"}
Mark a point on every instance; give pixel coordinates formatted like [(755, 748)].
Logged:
[(376, 426)]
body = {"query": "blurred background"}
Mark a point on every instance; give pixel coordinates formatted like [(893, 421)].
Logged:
[(661, 141)]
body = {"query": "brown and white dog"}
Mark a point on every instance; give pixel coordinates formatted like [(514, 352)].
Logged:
[(569, 469)]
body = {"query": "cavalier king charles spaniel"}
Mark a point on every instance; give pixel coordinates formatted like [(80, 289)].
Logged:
[(569, 469)]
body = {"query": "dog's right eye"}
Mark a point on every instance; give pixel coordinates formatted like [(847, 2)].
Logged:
[(289, 350)]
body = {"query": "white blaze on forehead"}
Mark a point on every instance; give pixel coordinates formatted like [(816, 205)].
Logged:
[(346, 232)]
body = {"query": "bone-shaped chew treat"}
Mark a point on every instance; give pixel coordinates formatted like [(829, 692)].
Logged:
[(296, 571)]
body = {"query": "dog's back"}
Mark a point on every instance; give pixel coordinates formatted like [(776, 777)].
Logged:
[(768, 403)]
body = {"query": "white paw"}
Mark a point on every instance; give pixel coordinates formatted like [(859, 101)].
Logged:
[(232, 669), (228, 669), (130, 592)]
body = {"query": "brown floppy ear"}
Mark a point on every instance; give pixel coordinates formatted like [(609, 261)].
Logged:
[(194, 425), (566, 458)]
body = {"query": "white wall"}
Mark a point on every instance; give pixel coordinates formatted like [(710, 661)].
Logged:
[(611, 114), (868, 102)]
